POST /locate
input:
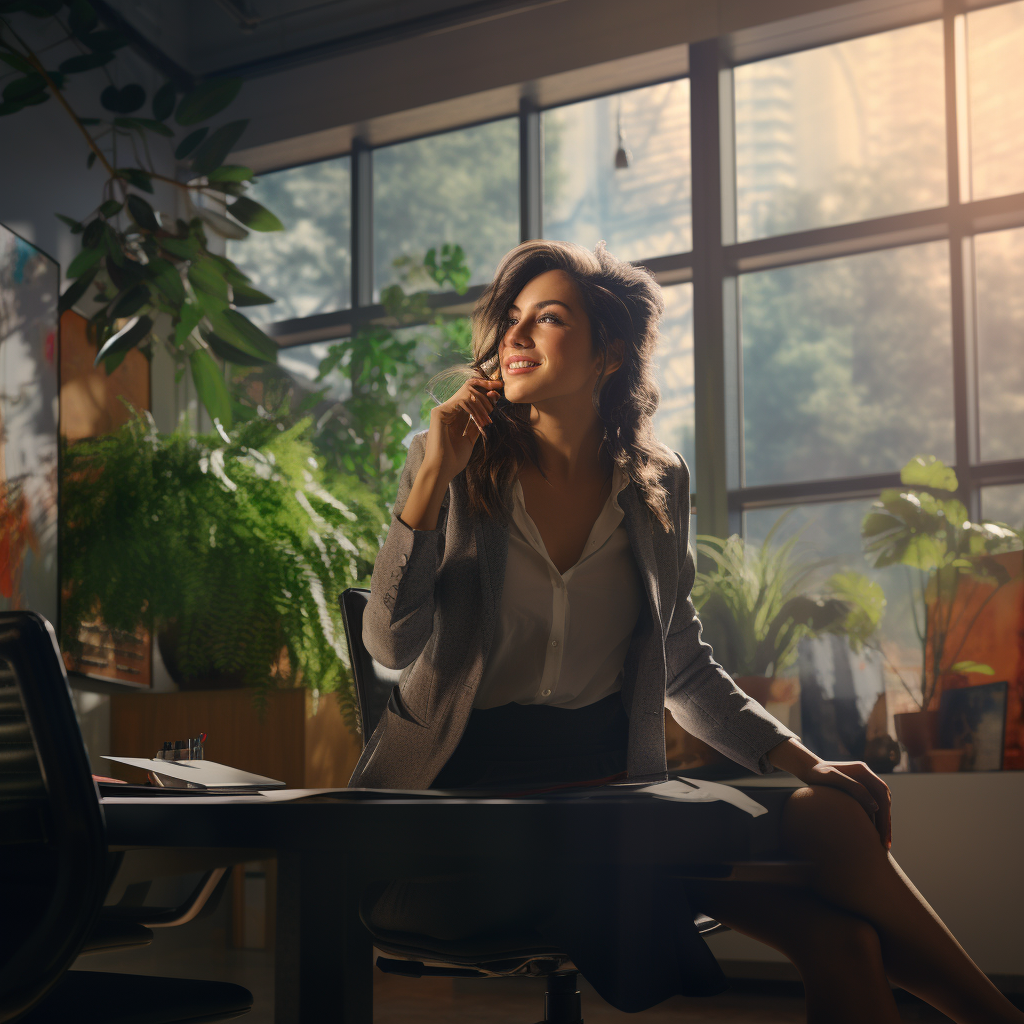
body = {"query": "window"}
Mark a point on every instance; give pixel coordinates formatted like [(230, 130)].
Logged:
[(847, 365), (846, 350), (1004, 505), (999, 269), (995, 80), (618, 169), (307, 267), (841, 133), (460, 187), (674, 421)]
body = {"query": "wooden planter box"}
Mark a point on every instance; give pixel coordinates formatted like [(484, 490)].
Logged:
[(286, 741)]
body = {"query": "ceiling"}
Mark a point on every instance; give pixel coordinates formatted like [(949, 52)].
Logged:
[(191, 39)]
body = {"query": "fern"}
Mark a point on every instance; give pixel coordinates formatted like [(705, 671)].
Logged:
[(238, 541)]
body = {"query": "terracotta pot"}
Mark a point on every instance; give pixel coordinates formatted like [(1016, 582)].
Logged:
[(945, 760), (917, 731)]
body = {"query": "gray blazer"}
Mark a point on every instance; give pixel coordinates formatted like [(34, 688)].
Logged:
[(434, 600)]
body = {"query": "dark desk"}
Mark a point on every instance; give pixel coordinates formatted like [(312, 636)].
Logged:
[(328, 848)]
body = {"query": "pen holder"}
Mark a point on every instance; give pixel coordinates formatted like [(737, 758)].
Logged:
[(182, 750)]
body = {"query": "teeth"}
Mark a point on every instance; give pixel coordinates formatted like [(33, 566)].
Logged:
[(519, 364)]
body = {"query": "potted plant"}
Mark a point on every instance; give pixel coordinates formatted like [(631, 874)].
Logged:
[(230, 546), (923, 526), (759, 601)]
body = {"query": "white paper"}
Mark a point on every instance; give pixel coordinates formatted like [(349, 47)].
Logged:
[(201, 773), (699, 791)]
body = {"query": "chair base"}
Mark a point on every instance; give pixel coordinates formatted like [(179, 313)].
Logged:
[(562, 1002), (96, 997)]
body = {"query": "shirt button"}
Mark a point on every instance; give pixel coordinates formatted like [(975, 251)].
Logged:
[(554, 643), (545, 693)]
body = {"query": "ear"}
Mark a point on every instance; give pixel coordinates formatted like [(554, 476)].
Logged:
[(614, 357)]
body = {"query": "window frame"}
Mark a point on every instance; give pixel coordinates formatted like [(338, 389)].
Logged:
[(716, 261)]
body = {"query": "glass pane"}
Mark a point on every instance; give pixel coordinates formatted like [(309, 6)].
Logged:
[(995, 54), (461, 187), (832, 531), (998, 261), (841, 133), (306, 267), (641, 210), (847, 365), (1004, 505), (674, 420)]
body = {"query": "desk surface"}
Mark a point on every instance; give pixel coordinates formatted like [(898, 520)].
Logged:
[(380, 834)]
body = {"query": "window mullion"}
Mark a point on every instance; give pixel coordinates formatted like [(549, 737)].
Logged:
[(531, 171), (362, 224), (715, 375), (961, 263)]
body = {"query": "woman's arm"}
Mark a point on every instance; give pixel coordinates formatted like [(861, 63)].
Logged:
[(399, 615)]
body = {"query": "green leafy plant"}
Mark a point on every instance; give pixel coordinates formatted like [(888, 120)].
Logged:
[(387, 367), (229, 543), (924, 527), (145, 275), (758, 602)]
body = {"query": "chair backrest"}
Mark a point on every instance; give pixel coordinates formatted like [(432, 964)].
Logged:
[(53, 845), (373, 681)]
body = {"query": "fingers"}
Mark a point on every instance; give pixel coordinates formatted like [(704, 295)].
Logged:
[(870, 792)]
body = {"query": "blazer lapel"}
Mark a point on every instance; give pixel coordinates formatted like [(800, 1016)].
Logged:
[(641, 538)]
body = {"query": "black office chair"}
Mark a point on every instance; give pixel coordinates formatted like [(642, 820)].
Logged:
[(54, 867), (419, 956)]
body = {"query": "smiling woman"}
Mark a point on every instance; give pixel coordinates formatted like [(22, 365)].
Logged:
[(535, 587)]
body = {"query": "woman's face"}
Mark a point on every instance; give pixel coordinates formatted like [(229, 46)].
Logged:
[(547, 351)]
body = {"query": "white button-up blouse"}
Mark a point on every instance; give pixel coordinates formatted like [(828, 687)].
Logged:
[(562, 638)]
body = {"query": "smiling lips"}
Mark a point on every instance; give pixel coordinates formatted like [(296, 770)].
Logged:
[(516, 366)]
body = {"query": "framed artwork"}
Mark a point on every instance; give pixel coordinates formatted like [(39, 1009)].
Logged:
[(29, 427), (973, 719)]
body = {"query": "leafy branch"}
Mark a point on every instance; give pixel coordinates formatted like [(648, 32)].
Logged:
[(144, 276)]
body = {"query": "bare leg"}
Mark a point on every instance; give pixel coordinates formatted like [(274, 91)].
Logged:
[(837, 954), (856, 874)]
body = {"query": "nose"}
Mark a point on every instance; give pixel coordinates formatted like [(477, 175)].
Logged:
[(518, 335)]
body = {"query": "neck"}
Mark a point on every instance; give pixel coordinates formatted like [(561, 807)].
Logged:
[(568, 439)]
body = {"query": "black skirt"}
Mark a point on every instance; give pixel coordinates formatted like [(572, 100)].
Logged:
[(631, 934), (534, 745)]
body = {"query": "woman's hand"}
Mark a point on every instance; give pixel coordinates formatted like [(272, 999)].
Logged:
[(854, 778), (456, 425), (859, 781)]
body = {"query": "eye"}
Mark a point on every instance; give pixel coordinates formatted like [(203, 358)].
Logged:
[(550, 317)]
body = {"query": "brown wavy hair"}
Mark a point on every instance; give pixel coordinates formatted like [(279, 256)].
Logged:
[(624, 307)]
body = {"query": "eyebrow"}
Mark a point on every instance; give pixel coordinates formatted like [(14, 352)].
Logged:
[(543, 303)]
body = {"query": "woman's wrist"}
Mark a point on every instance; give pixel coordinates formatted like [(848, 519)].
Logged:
[(793, 757), (423, 506)]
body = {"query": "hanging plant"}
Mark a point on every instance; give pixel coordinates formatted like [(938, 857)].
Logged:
[(147, 276)]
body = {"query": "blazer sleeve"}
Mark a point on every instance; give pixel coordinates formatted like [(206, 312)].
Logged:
[(399, 616), (700, 694)]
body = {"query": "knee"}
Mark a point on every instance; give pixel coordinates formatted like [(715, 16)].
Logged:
[(827, 812)]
